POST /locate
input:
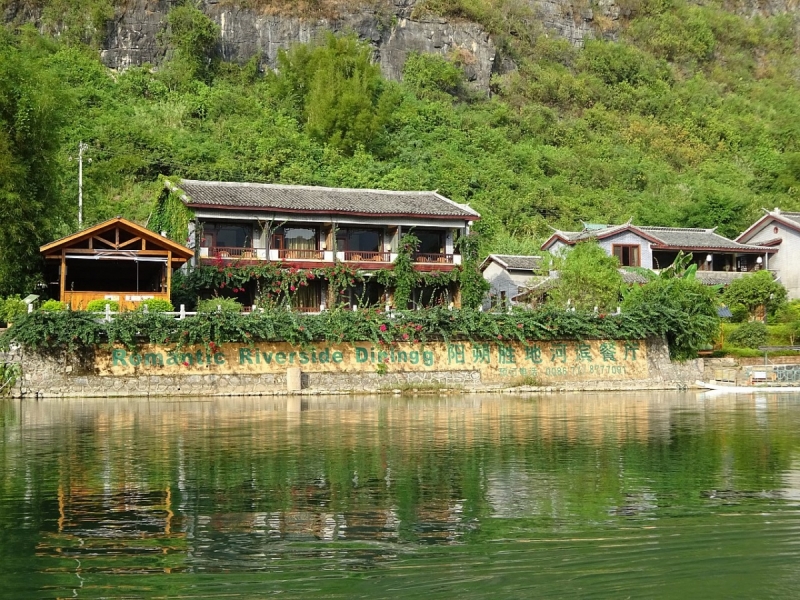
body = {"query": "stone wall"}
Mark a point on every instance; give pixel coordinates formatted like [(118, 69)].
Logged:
[(65, 376)]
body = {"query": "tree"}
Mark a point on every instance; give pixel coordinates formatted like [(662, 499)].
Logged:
[(194, 39), (755, 290), (31, 113), (684, 309), (338, 91), (587, 277)]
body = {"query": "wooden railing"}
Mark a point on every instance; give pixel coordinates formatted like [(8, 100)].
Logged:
[(361, 256), (421, 257), (297, 254), (126, 300), (230, 252)]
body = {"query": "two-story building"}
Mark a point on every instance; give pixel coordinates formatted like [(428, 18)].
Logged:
[(780, 232), (313, 227), (718, 259)]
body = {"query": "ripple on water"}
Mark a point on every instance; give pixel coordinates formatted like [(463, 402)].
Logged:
[(591, 496)]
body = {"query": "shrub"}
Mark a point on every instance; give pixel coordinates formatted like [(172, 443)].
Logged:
[(218, 304), (11, 308), (749, 335), (156, 305), (53, 306), (99, 305), (739, 313)]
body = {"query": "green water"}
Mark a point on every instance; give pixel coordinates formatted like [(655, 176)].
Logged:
[(587, 496)]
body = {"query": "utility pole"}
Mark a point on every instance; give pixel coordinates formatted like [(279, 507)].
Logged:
[(81, 149)]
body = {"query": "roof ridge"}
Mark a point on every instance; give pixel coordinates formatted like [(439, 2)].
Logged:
[(307, 187)]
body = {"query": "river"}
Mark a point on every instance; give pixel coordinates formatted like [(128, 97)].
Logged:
[(614, 495)]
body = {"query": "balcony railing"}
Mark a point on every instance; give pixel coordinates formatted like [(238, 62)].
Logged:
[(230, 252), (298, 254), (362, 256), (421, 257)]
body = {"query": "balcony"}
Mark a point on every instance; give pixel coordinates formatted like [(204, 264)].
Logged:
[(356, 256), (364, 256), (448, 259)]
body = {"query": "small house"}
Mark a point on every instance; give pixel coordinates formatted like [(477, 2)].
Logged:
[(116, 260)]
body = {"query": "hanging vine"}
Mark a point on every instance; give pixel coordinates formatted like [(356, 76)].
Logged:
[(171, 215), (473, 286)]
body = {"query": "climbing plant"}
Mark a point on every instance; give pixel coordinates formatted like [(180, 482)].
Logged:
[(171, 215), (472, 284)]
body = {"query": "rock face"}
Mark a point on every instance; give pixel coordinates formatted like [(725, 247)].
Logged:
[(392, 27), (132, 36)]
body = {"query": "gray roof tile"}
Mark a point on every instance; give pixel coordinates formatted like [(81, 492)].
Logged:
[(321, 199), (517, 262), (688, 237)]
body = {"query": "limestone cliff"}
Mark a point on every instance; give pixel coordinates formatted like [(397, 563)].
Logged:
[(393, 27)]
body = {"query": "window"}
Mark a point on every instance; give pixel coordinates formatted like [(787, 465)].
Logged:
[(430, 242), (225, 235), (363, 240), (627, 255), (296, 242)]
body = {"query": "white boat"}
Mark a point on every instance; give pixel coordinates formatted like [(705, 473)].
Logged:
[(748, 389)]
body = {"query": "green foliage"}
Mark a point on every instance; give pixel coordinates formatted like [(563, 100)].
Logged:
[(472, 285), (155, 305), (749, 335), (99, 305), (53, 306), (755, 290), (432, 77), (11, 308), (684, 308), (79, 331), (338, 91), (76, 22), (402, 277), (219, 304), (193, 38), (739, 313), (587, 277), (172, 215), (9, 374), (32, 109)]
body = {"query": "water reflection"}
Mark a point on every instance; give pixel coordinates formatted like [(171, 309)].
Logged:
[(95, 489)]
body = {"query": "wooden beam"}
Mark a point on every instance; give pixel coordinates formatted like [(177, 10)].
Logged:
[(63, 282), (169, 273), (105, 241), (129, 242), (116, 236)]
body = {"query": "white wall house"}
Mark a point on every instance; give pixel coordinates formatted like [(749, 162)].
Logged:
[(507, 275), (779, 231), (718, 258)]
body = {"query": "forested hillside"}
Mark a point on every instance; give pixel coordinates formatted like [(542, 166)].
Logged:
[(690, 118)]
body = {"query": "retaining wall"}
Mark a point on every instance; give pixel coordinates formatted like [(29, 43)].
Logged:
[(66, 376)]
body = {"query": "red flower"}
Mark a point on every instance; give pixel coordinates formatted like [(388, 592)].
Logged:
[(405, 336), (222, 285), (519, 325), (292, 288), (383, 327), (185, 363), (499, 337)]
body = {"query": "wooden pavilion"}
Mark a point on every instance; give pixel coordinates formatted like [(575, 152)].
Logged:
[(116, 260)]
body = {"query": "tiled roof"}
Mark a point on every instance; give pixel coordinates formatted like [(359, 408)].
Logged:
[(718, 277), (515, 262), (686, 237), (668, 237), (297, 198), (792, 216)]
